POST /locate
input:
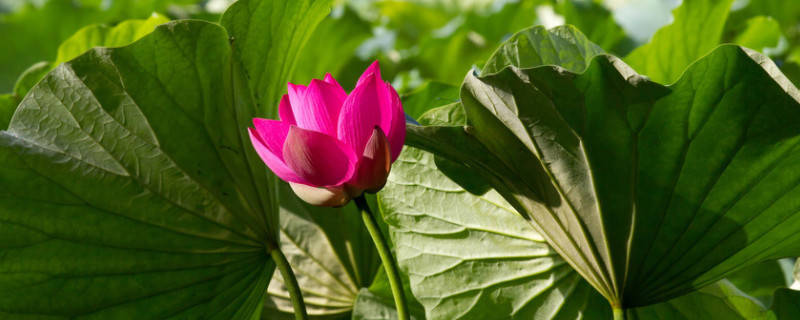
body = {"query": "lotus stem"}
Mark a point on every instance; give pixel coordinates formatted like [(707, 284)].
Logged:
[(290, 281), (389, 264), (620, 313)]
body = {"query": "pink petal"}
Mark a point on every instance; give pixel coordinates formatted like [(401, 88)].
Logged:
[(372, 69), (272, 160), (329, 79), (364, 109), (373, 169), (285, 110), (297, 95), (397, 128), (273, 134), (320, 109), (317, 158)]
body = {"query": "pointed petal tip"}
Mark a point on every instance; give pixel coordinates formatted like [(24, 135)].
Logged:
[(285, 112), (373, 69), (373, 169)]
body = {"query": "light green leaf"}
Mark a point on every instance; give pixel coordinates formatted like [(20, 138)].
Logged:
[(128, 200), (759, 33), (564, 46), (470, 256), (450, 115), (697, 28), (649, 191), (720, 300), (377, 301), (266, 38), (101, 35), (371, 306)]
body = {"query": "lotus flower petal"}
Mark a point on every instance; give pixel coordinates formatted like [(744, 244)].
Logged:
[(331, 146), (285, 110), (274, 160), (373, 69), (397, 128), (329, 79), (375, 163), (317, 158), (273, 134), (297, 95), (366, 107), (320, 109), (323, 197)]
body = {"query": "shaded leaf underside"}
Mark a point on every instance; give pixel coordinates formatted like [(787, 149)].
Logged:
[(123, 195), (648, 191)]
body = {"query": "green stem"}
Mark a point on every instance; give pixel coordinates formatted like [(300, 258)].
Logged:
[(290, 281), (619, 313), (386, 256)]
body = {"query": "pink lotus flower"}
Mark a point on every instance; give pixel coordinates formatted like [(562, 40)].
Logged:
[(331, 146)]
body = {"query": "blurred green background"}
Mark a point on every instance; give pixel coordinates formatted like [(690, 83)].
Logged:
[(415, 40)]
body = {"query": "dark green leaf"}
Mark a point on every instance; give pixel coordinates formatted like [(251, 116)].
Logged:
[(721, 300), (129, 199), (649, 191), (266, 37), (786, 305), (762, 279)]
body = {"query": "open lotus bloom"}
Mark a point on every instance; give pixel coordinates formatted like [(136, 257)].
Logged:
[(331, 146)]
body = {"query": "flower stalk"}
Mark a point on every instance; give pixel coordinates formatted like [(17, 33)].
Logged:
[(385, 253), (290, 281), (620, 313)]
